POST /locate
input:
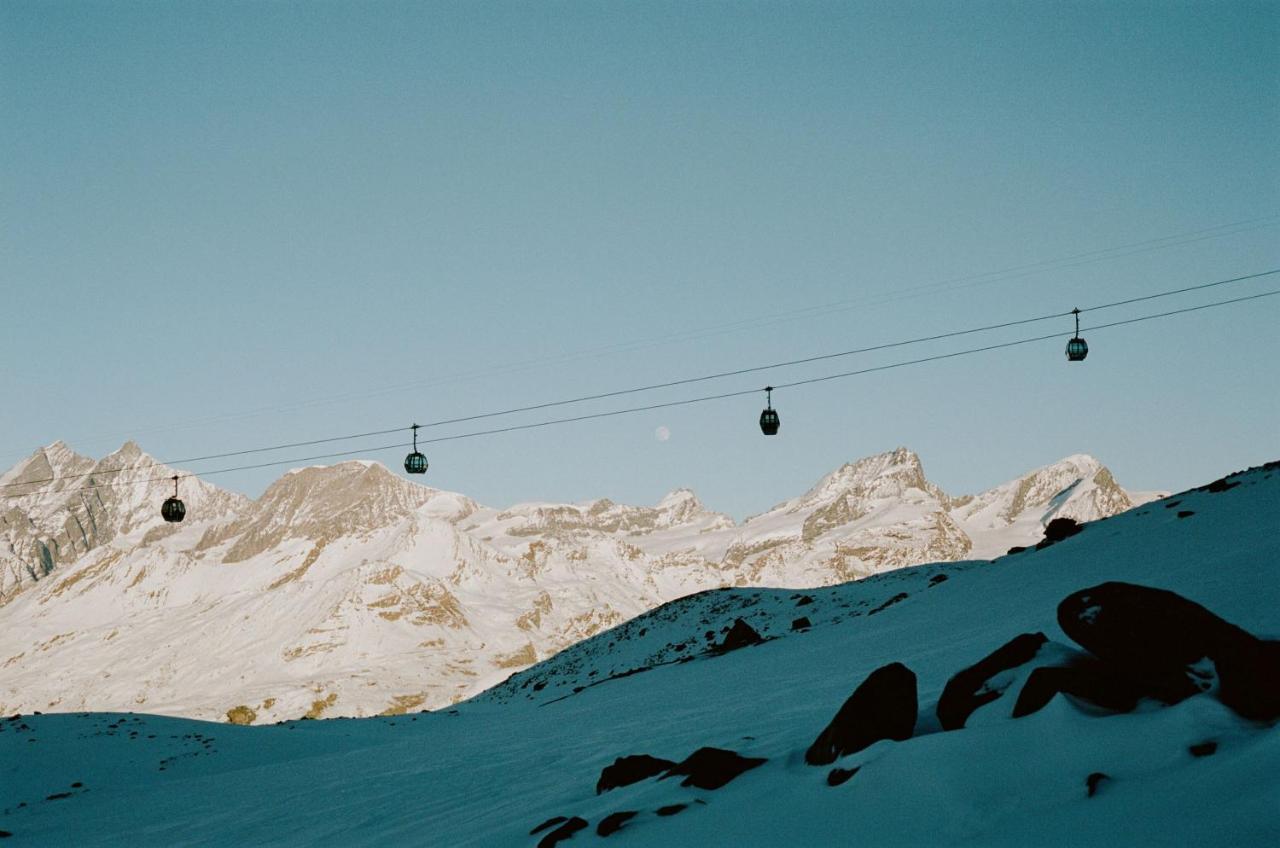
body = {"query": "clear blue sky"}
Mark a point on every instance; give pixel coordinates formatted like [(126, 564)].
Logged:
[(235, 224)]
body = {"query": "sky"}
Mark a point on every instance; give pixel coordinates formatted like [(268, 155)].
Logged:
[(235, 225)]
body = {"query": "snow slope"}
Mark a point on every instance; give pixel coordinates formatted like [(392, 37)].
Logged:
[(347, 590), (487, 771)]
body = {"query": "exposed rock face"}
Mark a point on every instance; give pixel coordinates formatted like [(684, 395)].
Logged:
[(58, 507), (630, 769), (1152, 643), (973, 687), (711, 768), (321, 505), (1249, 678), (840, 776), (1059, 529), (882, 707), (563, 832), (741, 635), (613, 822), (425, 594), (1090, 680), (1155, 637)]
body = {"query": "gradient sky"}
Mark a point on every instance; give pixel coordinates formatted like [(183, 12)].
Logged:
[(230, 225)]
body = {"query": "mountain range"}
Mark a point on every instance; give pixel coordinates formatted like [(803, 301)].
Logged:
[(349, 590), (1116, 687)]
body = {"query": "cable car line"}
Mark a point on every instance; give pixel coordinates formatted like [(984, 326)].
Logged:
[(1017, 342), (668, 384), (999, 275), (1181, 291), (825, 356), (675, 403)]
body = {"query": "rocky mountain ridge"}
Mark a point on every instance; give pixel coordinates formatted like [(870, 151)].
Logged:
[(350, 590)]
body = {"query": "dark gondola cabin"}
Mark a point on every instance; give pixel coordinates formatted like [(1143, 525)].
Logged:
[(173, 509), (1077, 349), (415, 463), (769, 421)]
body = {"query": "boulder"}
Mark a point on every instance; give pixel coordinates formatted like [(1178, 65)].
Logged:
[(883, 707), (564, 831), (1061, 528), (631, 769), (838, 776), (971, 688), (554, 820), (1249, 677), (1057, 530), (741, 635), (1089, 680), (711, 768), (1158, 640), (614, 822)]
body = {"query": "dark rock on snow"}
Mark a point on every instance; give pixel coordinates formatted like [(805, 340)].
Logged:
[(671, 809), (882, 707), (837, 776), (554, 820), (1061, 528), (1089, 679), (901, 596), (1093, 781), (628, 770), (970, 688), (1153, 637), (1203, 749), (1057, 530), (564, 831), (801, 623), (741, 635), (614, 821), (711, 768)]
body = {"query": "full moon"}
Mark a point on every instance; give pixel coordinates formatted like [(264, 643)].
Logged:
[(662, 433)]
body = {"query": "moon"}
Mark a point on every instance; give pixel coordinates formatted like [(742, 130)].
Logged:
[(662, 433)]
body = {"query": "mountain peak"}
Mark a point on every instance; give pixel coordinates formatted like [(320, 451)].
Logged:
[(45, 466), (677, 497), (128, 453), (879, 475)]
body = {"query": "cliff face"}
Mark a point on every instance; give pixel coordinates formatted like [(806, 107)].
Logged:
[(354, 588)]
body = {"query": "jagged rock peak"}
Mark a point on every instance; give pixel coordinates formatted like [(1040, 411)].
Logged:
[(680, 504), (51, 462), (880, 475), (678, 497), (343, 483)]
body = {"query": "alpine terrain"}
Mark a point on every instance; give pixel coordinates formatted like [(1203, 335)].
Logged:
[(348, 590), (1111, 685)]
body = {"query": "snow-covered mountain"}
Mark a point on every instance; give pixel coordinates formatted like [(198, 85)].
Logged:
[(348, 590), (655, 733)]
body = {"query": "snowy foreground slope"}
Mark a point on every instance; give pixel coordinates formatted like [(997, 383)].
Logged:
[(489, 770), (347, 590)]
